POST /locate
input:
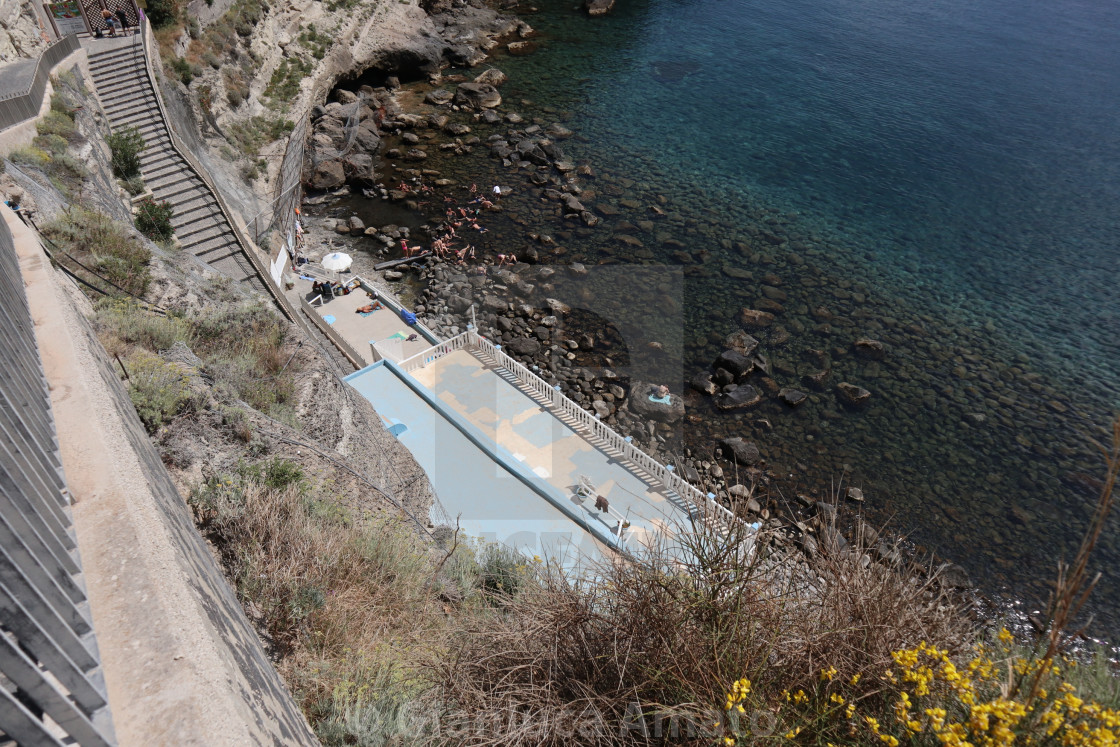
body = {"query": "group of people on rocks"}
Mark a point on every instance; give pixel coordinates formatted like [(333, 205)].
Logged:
[(451, 243)]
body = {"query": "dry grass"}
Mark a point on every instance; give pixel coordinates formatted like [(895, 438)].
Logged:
[(662, 638)]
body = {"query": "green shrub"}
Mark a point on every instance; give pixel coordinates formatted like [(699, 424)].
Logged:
[(134, 186), (252, 134), (105, 246), (503, 569), (131, 323), (153, 219), (159, 390), (183, 70), (59, 123), (126, 145), (279, 473), (162, 13)]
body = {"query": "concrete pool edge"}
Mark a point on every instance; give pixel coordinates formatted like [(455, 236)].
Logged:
[(492, 450)]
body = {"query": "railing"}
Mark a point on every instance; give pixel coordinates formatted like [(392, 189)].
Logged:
[(21, 105), (47, 645), (595, 428), (434, 353)]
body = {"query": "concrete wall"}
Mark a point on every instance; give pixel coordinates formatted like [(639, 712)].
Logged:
[(182, 663)]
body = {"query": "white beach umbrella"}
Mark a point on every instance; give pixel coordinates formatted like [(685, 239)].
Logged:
[(337, 262)]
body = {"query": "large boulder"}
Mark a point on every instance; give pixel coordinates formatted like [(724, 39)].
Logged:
[(598, 7), (735, 363), (523, 346), (740, 398), (478, 95), (327, 175), (493, 76), (439, 97), (640, 404), (755, 318)]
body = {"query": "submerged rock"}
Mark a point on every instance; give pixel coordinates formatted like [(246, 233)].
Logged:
[(740, 451), (852, 395)]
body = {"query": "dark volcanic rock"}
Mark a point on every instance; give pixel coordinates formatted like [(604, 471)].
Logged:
[(852, 395), (741, 397), (702, 382), (598, 7), (740, 451), (736, 363), (792, 397), (478, 95), (524, 346), (742, 342)]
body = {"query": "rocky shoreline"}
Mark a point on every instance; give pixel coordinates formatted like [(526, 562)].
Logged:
[(847, 360), (515, 303)]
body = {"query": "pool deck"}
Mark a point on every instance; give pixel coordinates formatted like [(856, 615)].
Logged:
[(490, 499), (360, 331), (554, 451)]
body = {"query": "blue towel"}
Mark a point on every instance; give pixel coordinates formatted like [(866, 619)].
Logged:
[(408, 317), (328, 319), (666, 400), (365, 313)]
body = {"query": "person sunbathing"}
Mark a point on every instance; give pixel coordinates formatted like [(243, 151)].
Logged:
[(368, 308)]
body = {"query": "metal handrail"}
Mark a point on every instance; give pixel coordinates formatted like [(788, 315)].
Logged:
[(176, 142)]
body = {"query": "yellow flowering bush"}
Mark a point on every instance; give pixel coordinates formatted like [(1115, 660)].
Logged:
[(995, 698)]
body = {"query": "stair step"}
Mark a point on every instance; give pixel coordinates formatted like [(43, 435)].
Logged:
[(204, 211), (227, 245), (184, 196), (141, 111), (114, 90), (164, 168), (178, 190), (204, 231)]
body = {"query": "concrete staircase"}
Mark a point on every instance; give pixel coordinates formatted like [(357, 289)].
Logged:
[(126, 95)]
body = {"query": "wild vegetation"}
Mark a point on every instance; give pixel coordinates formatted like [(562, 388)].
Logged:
[(153, 219), (383, 639), (49, 151), (242, 349), (103, 247)]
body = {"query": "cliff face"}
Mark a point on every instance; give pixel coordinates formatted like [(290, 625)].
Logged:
[(20, 33), (249, 71)]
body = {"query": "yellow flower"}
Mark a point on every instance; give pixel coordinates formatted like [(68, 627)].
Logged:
[(855, 678), (1005, 636), (828, 674), (837, 698)]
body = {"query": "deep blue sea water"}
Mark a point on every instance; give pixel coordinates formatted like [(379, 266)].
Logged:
[(959, 162), (943, 177)]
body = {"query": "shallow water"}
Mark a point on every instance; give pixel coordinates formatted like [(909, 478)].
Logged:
[(942, 178)]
